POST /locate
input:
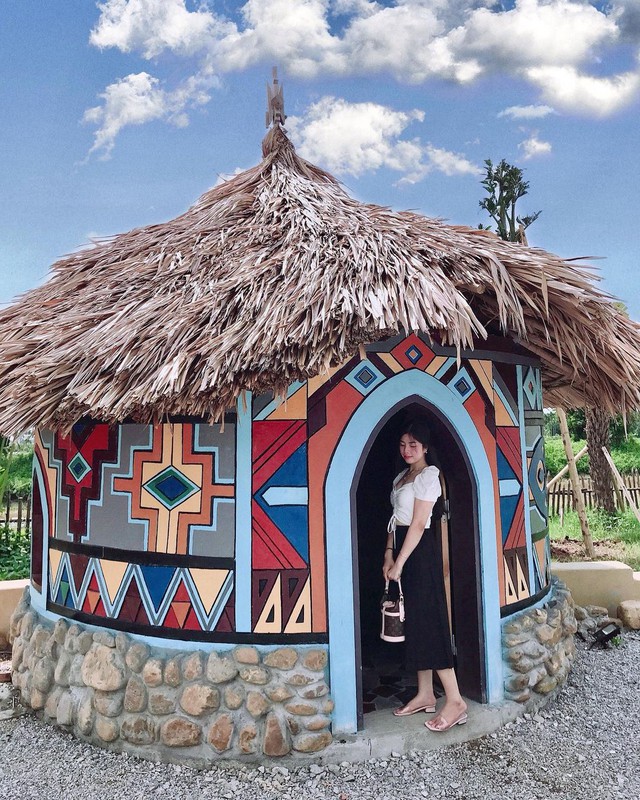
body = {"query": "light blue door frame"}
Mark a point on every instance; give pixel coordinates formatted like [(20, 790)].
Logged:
[(340, 532)]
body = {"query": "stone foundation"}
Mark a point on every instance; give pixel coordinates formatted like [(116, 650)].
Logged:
[(169, 705), (538, 647)]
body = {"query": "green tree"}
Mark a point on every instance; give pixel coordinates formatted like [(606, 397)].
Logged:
[(505, 185)]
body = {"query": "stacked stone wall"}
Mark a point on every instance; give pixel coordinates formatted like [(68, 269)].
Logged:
[(192, 706), (539, 647)]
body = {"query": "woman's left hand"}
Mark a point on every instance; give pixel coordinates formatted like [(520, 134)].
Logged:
[(395, 572)]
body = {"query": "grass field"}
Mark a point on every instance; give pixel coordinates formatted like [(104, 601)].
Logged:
[(615, 537)]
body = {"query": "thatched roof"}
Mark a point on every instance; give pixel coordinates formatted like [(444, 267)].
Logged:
[(276, 275)]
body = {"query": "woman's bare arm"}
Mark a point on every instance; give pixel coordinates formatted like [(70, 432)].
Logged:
[(421, 512)]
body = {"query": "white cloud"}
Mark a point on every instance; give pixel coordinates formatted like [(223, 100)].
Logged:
[(152, 26), (296, 34), (450, 163), (551, 44), (354, 138), (527, 112), (533, 147), (412, 39), (399, 40), (552, 32), (137, 99), (572, 91)]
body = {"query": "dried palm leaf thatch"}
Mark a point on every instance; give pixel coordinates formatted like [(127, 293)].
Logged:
[(276, 275)]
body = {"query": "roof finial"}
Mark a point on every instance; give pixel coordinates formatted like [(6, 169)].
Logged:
[(275, 102)]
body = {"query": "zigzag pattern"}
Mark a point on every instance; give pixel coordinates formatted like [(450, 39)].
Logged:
[(162, 596)]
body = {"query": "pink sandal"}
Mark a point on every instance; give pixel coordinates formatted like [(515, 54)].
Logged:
[(436, 725), (403, 712)]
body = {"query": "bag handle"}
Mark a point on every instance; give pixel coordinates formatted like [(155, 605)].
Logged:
[(400, 600), (385, 597)]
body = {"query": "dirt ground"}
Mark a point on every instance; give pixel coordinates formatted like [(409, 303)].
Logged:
[(572, 550)]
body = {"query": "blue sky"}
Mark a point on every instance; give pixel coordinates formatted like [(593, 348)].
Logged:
[(121, 113)]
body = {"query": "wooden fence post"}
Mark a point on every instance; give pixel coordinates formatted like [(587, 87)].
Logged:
[(565, 469), (575, 483), (620, 482)]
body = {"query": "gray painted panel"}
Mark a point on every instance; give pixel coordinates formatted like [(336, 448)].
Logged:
[(108, 520)]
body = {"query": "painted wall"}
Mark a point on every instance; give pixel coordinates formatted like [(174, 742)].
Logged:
[(217, 533)]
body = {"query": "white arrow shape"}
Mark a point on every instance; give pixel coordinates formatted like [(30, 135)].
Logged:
[(286, 496)]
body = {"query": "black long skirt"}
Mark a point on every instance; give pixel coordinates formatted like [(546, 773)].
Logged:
[(427, 633)]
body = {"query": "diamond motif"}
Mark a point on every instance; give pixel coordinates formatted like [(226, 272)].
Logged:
[(413, 354), (79, 467), (365, 377), (171, 487), (532, 390), (462, 386)]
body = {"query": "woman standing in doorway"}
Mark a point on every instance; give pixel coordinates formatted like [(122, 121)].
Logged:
[(412, 552)]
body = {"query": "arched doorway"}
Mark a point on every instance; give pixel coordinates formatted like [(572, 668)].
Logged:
[(383, 681), (340, 499)]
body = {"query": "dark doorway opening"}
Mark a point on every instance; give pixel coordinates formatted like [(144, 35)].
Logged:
[(37, 535), (384, 682)]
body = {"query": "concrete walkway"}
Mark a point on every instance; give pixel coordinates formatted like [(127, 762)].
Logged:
[(385, 734)]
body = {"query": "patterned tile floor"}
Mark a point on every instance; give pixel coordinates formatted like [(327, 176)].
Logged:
[(385, 682)]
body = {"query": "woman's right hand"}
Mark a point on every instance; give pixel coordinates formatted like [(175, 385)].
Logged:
[(388, 564)]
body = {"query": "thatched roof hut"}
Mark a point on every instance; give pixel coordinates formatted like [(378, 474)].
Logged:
[(277, 275), (268, 530)]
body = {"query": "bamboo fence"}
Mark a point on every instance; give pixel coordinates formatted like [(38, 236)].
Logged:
[(16, 514), (560, 496)]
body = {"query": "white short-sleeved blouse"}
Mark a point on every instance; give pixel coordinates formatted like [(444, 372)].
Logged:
[(425, 486)]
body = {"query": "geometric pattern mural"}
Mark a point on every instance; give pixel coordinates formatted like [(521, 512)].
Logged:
[(512, 488), (486, 388), (141, 519), (281, 596), (172, 487), (137, 596), (532, 413), (81, 455)]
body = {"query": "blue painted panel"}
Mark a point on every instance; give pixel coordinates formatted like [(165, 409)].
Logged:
[(504, 468), (243, 516), (38, 599), (364, 377), (291, 519), (508, 505), (292, 473)]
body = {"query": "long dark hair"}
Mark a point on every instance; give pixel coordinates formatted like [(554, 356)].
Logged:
[(418, 427)]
